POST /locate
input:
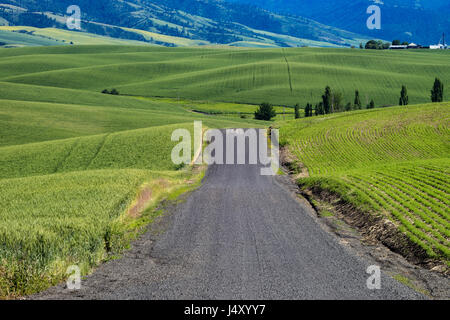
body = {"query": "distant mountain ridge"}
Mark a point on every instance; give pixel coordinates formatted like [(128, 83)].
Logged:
[(421, 21), (206, 21)]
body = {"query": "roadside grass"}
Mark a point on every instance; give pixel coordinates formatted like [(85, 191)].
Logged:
[(78, 218), (408, 282), (391, 162)]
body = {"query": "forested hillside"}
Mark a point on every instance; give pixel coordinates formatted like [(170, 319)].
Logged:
[(419, 21), (210, 21)]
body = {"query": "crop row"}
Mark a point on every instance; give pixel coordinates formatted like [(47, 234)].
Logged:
[(420, 213), (392, 161), (343, 142)]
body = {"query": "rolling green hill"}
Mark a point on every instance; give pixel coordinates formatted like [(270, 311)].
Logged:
[(25, 122), (227, 75), (15, 39), (390, 162)]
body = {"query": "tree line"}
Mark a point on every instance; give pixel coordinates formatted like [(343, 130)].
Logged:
[(332, 102), (380, 45)]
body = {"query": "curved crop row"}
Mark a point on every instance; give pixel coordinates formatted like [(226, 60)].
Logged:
[(395, 162)]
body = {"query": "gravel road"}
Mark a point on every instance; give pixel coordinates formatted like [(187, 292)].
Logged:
[(239, 236)]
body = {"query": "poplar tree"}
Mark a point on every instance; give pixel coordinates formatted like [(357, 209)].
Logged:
[(404, 100), (297, 111), (310, 110), (326, 98), (319, 109), (437, 93), (357, 102)]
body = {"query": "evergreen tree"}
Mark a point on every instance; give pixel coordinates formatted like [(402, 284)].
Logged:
[(404, 100), (357, 102), (437, 93), (337, 102), (307, 110), (319, 109), (265, 112), (348, 107), (371, 104), (297, 111), (326, 100)]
